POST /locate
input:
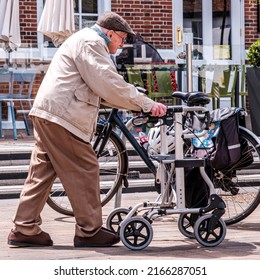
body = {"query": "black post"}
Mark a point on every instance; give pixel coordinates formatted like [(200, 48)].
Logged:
[(179, 82)]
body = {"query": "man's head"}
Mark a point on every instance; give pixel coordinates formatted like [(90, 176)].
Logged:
[(118, 29)]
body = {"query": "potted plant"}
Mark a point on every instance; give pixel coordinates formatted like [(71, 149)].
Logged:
[(253, 54), (253, 85)]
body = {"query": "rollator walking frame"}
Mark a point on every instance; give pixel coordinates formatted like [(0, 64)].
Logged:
[(209, 229)]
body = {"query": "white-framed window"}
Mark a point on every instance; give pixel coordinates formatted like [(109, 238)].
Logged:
[(212, 26), (86, 13)]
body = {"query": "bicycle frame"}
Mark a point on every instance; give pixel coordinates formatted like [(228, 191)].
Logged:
[(115, 120)]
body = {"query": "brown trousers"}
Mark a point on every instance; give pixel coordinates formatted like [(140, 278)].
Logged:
[(57, 152)]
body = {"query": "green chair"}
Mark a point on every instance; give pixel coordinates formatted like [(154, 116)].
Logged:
[(243, 93), (158, 81), (208, 86), (160, 84), (227, 89), (134, 76)]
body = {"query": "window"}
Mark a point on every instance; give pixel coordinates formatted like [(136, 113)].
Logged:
[(86, 13), (192, 24), (221, 29), (221, 20), (214, 27)]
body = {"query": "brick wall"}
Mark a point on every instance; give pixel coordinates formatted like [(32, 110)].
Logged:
[(153, 19), (251, 22), (28, 21)]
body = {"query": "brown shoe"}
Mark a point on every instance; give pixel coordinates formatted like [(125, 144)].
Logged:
[(16, 238), (103, 238)]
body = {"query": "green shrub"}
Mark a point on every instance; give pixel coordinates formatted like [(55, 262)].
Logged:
[(253, 54)]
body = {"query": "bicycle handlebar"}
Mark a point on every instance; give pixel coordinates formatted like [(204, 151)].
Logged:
[(201, 112)]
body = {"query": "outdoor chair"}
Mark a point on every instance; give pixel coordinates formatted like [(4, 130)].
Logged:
[(228, 87), (21, 84), (158, 81), (207, 76), (243, 93), (134, 76), (224, 88), (5, 91), (162, 84)]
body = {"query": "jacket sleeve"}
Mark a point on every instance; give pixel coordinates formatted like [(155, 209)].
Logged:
[(99, 73)]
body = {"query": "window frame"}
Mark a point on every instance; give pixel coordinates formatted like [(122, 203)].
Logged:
[(207, 18), (46, 53)]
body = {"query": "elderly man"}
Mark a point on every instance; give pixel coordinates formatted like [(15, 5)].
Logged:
[(80, 77)]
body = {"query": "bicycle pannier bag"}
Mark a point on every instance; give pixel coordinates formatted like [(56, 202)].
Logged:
[(227, 143)]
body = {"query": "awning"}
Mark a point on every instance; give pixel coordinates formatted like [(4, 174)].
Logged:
[(57, 20)]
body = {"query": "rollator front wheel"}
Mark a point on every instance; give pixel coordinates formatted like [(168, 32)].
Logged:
[(207, 237), (136, 233), (116, 217)]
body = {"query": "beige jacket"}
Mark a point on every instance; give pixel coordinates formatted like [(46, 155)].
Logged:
[(79, 76)]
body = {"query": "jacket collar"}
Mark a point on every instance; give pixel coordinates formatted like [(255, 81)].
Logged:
[(95, 28)]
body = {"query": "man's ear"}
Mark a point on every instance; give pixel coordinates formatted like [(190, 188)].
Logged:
[(110, 34)]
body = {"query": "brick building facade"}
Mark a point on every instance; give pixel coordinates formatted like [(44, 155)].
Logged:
[(28, 22), (252, 15), (152, 18)]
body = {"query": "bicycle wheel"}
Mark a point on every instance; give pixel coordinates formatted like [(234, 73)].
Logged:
[(239, 186), (113, 164)]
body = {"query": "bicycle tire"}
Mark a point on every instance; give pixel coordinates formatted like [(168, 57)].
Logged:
[(240, 187), (113, 164)]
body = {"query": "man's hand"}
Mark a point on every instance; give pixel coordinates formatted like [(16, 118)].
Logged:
[(158, 110)]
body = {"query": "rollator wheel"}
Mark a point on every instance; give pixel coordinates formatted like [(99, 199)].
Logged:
[(186, 224), (116, 217), (203, 234), (136, 233)]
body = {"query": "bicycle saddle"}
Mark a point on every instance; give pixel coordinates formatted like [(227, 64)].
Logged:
[(195, 98)]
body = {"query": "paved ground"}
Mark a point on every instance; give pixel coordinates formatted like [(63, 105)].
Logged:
[(238, 255), (242, 241)]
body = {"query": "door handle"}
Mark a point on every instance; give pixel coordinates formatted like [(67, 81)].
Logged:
[(179, 36)]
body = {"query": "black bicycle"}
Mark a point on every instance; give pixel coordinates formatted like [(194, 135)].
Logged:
[(239, 189)]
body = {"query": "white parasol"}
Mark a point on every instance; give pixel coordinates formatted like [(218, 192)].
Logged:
[(57, 20), (10, 24)]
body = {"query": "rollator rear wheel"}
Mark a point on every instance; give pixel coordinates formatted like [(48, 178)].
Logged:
[(116, 217), (206, 237), (136, 233), (112, 162)]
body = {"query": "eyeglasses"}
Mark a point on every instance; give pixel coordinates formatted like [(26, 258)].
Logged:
[(122, 38)]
